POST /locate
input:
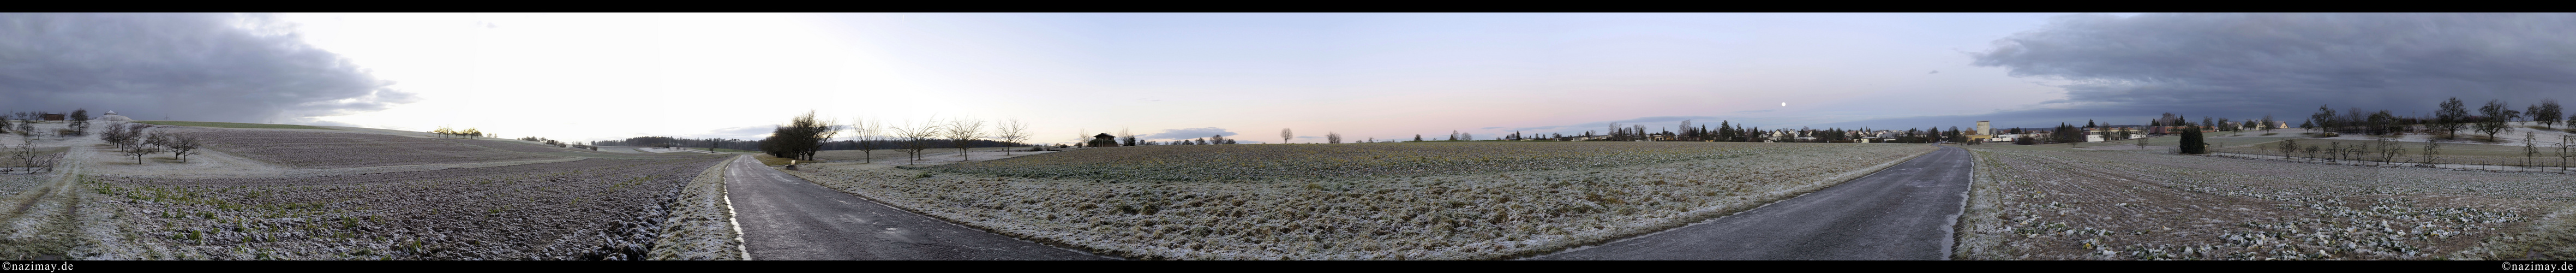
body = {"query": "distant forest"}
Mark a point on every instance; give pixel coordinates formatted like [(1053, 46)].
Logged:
[(751, 145)]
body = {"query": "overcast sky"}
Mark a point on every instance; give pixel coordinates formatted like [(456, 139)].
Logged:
[(1169, 76)]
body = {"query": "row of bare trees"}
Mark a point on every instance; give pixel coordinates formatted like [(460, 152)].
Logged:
[(913, 138), (137, 140), (2385, 149), (25, 157), (805, 135), (2447, 121)]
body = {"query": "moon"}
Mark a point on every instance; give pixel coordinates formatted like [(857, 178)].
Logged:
[(1784, 104)]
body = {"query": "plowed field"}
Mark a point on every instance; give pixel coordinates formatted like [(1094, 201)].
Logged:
[(587, 209), (1391, 201), (2121, 205), (343, 150)]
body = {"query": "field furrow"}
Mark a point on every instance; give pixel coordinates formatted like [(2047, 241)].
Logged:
[(2149, 205), (587, 209)]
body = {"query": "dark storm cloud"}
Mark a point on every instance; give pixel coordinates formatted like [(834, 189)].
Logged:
[(2246, 65), (204, 67), (1187, 133), (2044, 118)]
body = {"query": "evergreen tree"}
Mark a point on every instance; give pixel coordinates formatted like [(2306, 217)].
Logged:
[(2192, 142)]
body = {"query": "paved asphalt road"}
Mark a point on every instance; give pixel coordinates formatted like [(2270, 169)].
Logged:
[(787, 218), (1902, 213)]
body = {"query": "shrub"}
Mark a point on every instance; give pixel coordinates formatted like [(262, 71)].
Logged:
[(2192, 142)]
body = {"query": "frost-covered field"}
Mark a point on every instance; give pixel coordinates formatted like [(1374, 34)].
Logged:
[(2148, 205), (552, 150), (587, 209), (302, 149), (1406, 201), (1264, 162)]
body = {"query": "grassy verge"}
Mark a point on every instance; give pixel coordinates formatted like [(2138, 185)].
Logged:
[(701, 227), (1975, 231), (230, 125)]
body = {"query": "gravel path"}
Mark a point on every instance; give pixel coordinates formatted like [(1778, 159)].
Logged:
[(1905, 212), (787, 218)]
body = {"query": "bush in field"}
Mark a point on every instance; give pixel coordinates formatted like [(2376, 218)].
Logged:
[(2192, 143), (800, 138)]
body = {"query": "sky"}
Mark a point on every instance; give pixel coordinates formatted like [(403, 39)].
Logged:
[(1383, 76)]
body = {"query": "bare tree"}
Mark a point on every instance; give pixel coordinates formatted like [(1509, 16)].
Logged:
[(2452, 114), (1284, 135), (79, 122), (2142, 143), (2497, 118), (1012, 131), (864, 133), (27, 157), (133, 144), (2546, 113), (916, 137), (17, 159), (800, 138), (2432, 152), (183, 145), (2267, 124), (1083, 137), (2288, 146), (2388, 149), (2565, 142), (26, 125), (2528, 150), (1331, 137), (962, 132), (1126, 138), (117, 136)]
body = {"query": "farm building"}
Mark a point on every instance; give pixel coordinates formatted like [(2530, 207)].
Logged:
[(111, 116), (1103, 140)]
